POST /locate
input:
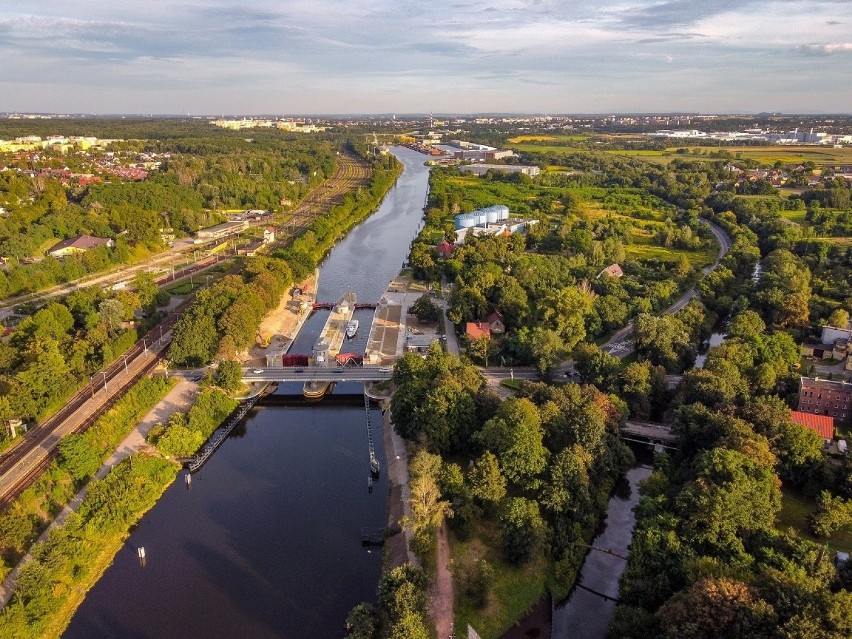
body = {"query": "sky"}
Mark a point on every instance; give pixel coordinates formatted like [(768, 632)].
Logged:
[(406, 56)]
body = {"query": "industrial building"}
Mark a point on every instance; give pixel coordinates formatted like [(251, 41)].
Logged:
[(482, 169), (492, 220), (222, 230)]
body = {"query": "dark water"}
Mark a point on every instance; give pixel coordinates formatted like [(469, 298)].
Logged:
[(586, 615), (267, 542)]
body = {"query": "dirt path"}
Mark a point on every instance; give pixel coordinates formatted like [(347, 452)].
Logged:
[(441, 601)]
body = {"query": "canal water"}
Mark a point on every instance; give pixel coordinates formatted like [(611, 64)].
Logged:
[(267, 540), (588, 611)]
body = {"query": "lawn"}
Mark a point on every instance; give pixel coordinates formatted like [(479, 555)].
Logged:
[(515, 589), (797, 216), (795, 509), (520, 139), (643, 248)]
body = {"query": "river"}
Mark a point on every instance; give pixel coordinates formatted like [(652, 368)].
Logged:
[(267, 540)]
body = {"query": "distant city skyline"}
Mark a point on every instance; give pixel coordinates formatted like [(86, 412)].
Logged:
[(381, 56)]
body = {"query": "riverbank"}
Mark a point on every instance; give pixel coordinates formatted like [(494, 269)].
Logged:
[(280, 326)]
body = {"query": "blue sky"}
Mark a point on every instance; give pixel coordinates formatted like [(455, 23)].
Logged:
[(403, 56)]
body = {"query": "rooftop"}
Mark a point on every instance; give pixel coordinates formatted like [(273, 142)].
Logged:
[(822, 425)]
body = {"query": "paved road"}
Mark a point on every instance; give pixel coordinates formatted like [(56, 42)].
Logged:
[(620, 345), (318, 374)]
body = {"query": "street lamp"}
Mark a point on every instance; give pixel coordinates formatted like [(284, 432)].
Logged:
[(106, 388), (125, 365)]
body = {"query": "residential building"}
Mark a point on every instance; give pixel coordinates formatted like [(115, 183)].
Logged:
[(475, 330), (822, 425), (269, 235), (495, 323), (613, 270), (78, 244), (825, 397)]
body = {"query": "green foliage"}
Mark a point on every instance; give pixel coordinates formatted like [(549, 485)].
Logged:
[(186, 433), (515, 435), (73, 556), (425, 309), (522, 529), (229, 375), (362, 622), (833, 513)]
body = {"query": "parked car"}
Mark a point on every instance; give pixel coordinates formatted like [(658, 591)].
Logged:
[(257, 371)]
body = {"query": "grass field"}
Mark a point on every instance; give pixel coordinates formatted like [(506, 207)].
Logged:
[(797, 216), (643, 249), (766, 155), (515, 588), (520, 139), (795, 509)]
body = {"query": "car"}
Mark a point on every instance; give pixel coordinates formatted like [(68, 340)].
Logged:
[(298, 370), (339, 369), (384, 369), (257, 371)]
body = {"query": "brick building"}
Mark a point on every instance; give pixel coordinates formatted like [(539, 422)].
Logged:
[(824, 397)]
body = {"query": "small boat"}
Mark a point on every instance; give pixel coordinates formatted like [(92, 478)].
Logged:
[(352, 328)]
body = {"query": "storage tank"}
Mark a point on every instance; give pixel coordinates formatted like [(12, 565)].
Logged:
[(492, 213), (480, 218), (502, 212), (465, 221)]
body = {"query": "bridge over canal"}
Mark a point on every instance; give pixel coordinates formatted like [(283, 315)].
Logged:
[(318, 374), (649, 433)]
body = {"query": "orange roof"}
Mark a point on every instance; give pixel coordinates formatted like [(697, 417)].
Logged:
[(822, 425), (475, 330)]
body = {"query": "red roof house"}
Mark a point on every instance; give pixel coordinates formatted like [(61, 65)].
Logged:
[(822, 425), (445, 249), (475, 330)]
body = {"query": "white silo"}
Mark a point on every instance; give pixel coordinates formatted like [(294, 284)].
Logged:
[(492, 214), (502, 212), (480, 218), (464, 221)]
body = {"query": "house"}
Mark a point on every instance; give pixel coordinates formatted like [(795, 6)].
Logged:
[(445, 249), (495, 323), (613, 270), (420, 343), (825, 397), (78, 244), (475, 330), (822, 425), (269, 235)]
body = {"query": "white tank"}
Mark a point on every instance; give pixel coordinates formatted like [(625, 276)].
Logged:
[(502, 212), (480, 218), (464, 221)]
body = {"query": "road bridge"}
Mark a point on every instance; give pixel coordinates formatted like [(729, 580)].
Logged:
[(318, 374)]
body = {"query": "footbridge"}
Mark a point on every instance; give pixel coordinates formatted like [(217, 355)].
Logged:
[(649, 433), (318, 374)]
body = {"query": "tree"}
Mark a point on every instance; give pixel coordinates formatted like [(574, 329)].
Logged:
[(229, 375), (547, 349), (478, 349), (833, 513), (564, 312), (427, 509), (568, 489), (596, 366), (839, 317), (716, 609), (362, 622), (514, 434), (487, 483), (425, 309), (111, 312), (522, 529)]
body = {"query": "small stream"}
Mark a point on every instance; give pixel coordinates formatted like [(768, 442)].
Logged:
[(587, 612)]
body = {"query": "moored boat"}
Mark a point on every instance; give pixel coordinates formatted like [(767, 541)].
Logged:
[(316, 390), (352, 328)]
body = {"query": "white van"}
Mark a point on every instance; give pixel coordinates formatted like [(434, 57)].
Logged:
[(841, 447)]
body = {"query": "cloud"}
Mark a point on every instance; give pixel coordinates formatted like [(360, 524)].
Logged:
[(834, 48)]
